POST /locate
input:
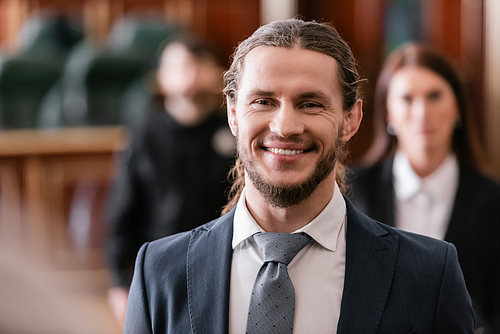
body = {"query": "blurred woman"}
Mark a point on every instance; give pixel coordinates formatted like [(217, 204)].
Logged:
[(428, 178)]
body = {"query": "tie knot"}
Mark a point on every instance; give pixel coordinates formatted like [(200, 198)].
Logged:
[(280, 247)]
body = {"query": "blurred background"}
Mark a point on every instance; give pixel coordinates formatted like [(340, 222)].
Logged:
[(76, 75)]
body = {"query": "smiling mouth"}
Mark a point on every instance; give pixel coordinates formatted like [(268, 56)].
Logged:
[(283, 152)]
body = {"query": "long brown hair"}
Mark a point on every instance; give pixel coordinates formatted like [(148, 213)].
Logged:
[(319, 37), (465, 141)]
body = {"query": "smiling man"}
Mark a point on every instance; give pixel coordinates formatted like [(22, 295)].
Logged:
[(291, 254)]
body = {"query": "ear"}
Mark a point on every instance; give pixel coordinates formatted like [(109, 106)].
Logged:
[(352, 120), (231, 117)]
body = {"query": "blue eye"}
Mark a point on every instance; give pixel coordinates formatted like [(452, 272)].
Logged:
[(262, 104), (312, 107)]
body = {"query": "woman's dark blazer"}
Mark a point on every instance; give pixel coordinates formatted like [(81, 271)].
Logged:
[(474, 228)]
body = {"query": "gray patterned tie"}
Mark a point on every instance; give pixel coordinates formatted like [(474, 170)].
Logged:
[(272, 303)]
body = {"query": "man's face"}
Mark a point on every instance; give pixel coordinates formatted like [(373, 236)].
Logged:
[(191, 84), (182, 74), (289, 121)]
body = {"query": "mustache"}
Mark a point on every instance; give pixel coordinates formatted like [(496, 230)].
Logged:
[(294, 139)]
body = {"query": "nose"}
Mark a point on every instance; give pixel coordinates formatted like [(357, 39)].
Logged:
[(286, 121), (421, 109), (191, 79)]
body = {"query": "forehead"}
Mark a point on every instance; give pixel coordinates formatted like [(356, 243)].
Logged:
[(289, 69), (177, 54), (417, 79), (174, 50)]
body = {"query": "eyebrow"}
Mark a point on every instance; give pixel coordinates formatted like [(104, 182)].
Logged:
[(305, 95), (435, 90), (314, 95), (259, 92)]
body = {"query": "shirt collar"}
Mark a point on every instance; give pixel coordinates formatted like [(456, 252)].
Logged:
[(443, 182), (407, 183), (324, 229), (244, 225)]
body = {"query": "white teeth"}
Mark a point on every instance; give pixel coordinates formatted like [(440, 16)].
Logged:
[(284, 152)]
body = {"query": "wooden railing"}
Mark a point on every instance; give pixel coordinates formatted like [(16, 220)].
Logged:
[(53, 192)]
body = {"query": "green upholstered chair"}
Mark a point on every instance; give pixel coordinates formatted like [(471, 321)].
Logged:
[(140, 36), (91, 89), (23, 84)]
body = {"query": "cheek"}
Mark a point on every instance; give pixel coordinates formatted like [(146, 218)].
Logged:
[(450, 112), (327, 131), (447, 117), (396, 114), (449, 120), (248, 128), (394, 109)]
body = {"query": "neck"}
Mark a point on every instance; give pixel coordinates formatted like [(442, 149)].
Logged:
[(427, 161), (288, 220), (186, 111)]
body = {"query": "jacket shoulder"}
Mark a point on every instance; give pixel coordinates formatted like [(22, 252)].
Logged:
[(177, 244), (370, 189), (479, 183), (362, 174), (413, 243)]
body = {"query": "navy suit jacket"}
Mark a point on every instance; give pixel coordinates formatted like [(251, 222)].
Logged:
[(395, 282), (474, 229)]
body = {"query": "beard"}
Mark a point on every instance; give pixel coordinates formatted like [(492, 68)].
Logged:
[(285, 196)]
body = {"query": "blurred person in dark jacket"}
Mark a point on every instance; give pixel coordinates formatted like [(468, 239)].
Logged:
[(173, 174), (428, 179)]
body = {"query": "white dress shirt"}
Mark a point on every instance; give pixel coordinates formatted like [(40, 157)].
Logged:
[(424, 205), (317, 271)]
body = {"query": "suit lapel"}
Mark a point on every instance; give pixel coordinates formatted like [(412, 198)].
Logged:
[(370, 262), (208, 276)]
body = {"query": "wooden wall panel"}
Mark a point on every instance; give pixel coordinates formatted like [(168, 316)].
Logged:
[(12, 15), (230, 22), (340, 13), (223, 22), (492, 83), (473, 58), (441, 24), (457, 27)]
